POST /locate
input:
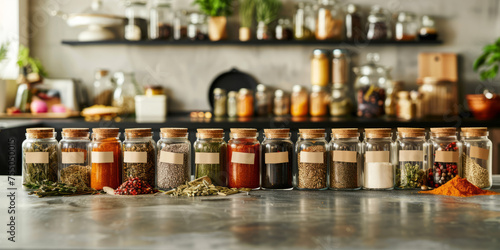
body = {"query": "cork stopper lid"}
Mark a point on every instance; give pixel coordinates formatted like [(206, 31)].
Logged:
[(243, 132), (475, 132), (138, 132), (450, 131), (378, 132), (105, 132), (40, 133), (210, 133), (345, 133), (173, 132), (411, 132), (75, 132), (312, 133), (282, 133)]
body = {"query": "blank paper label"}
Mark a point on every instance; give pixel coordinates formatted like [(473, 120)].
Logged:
[(312, 157), (206, 158), (172, 158), (411, 155), (479, 153), (102, 157), (37, 157), (377, 156), (446, 156), (135, 157), (276, 158), (345, 156), (243, 158), (72, 157)]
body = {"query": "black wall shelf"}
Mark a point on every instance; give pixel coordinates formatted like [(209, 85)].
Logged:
[(254, 43)]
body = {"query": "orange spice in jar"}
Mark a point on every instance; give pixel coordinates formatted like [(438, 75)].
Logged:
[(106, 158), (299, 101), (319, 101), (245, 103), (320, 67)]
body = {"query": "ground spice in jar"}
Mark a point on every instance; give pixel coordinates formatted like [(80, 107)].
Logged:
[(74, 168), (40, 156), (243, 159), (474, 173), (76, 176), (174, 155), (345, 161), (312, 175), (459, 187), (106, 158), (139, 155), (277, 159)]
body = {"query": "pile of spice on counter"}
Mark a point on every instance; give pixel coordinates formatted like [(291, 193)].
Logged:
[(203, 187), (459, 187), (135, 186), (49, 188)]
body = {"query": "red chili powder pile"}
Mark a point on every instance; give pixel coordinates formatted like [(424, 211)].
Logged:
[(459, 187)]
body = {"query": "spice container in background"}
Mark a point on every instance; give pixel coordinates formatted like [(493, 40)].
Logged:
[(320, 68), (106, 158), (103, 88), (355, 29), (160, 20), (406, 28), (277, 159), (411, 153), (40, 155), (299, 101), (340, 103), (304, 22), (197, 29), (243, 151), (284, 30), (345, 165), (416, 100), (391, 101), (439, 97), (330, 21), (378, 168), (136, 27), (444, 156), (139, 155), (125, 92), (340, 67), (232, 104), (245, 103), (405, 108), (220, 102), (320, 101), (180, 25), (153, 90), (174, 158), (428, 31), (379, 25), (312, 160), (74, 167), (477, 157), (263, 101), (281, 103), (210, 156), (370, 84)]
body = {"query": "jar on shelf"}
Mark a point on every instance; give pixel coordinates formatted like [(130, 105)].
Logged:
[(477, 157), (139, 155), (153, 90), (198, 27), (311, 172), (102, 92), (210, 156), (160, 20), (411, 153), (243, 151), (180, 24), (283, 30), (428, 31), (320, 67), (330, 21), (346, 163), (174, 158), (136, 27), (232, 104), (439, 97), (406, 27), (299, 101), (391, 101), (378, 168), (340, 103), (444, 156), (281, 103), (220, 102), (340, 67), (405, 108), (320, 100), (355, 30), (125, 92), (245, 103), (304, 22), (277, 159), (379, 25), (106, 158), (74, 168), (263, 101), (40, 155)]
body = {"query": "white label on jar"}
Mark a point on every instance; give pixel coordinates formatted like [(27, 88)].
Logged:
[(72, 157), (377, 156), (446, 156), (172, 158), (135, 157), (378, 175), (411, 155), (243, 158), (276, 158), (344, 156), (206, 158), (37, 157), (480, 153), (102, 157), (312, 157)]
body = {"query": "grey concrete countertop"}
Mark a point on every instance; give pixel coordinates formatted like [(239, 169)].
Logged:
[(262, 220)]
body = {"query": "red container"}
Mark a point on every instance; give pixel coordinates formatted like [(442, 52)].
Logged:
[(483, 108), (243, 159)]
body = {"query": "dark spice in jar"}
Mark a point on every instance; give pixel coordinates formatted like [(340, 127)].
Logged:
[(173, 175), (344, 175), (371, 101), (277, 176), (312, 175), (144, 171)]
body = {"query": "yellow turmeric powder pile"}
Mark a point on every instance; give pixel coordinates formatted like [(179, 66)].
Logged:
[(459, 187)]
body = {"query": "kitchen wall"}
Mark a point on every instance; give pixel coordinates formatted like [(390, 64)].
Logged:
[(187, 71)]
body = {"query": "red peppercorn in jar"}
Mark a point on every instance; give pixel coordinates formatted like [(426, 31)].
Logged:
[(445, 156), (243, 159)]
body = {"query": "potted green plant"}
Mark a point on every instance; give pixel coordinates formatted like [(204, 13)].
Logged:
[(217, 10), (266, 12), (247, 11)]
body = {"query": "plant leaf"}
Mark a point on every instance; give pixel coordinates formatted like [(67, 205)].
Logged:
[(480, 61)]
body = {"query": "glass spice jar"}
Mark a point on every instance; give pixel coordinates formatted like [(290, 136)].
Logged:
[(106, 158), (197, 29), (353, 24), (40, 155), (378, 168), (263, 100), (74, 168), (311, 172), (210, 156), (345, 165), (340, 67), (232, 104), (136, 27), (320, 67), (245, 103), (406, 27), (330, 21), (299, 101), (477, 157), (243, 152), (139, 155), (103, 88), (174, 158), (277, 159), (405, 109), (160, 20), (428, 31), (340, 103), (379, 25), (304, 22), (180, 24), (412, 158), (281, 103), (125, 92), (444, 156), (220, 102), (320, 101), (283, 30)]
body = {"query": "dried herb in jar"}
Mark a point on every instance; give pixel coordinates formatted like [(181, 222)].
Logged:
[(312, 175), (216, 172), (173, 175), (474, 173), (409, 175), (144, 170), (38, 172), (76, 175)]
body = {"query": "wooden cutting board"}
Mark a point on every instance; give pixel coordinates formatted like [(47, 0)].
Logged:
[(440, 65)]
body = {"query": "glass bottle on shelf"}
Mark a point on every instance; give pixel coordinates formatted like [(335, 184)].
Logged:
[(74, 168), (281, 103), (378, 167), (320, 101), (445, 156), (354, 24), (245, 103), (477, 161), (405, 108), (220, 102), (243, 151), (277, 159), (103, 88), (198, 27), (299, 101), (301, 30), (284, 30), (136, 27), (263, 32), (263, 100), (428, 31), (139, 155), (40, 156), (330, 21), (340, 103), (379, 25), (311, 170), (125, 92), (232, 104), (346, 164), (412, 158), (210, 156), (174, 158), (160, 20), (406, 27), (341, 67), (179, 25), (321, 67)]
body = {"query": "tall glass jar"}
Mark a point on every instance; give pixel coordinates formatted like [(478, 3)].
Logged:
[(40, 157), (445, 156), (232, 104), (283, 30), (311, 148), (139, 155), (340, 103), (245, 103), (160, 20), (378, 167), (74, 167), (277, 159), (353, 24), (180, 24), (106, 158), (330, 21), (320, 67), (412, 158), (243, 152), (439, 97), (263, 101), (281, 103), (125, 92), (379, 25), (103, 88), (198, 27), (299, 101), (210, 156), (136, 27), (477, 157), (304, 22), (320, 100), (407, 27), (220, 102), (340, 67), (174, 158), (346, 160), (428, 31)]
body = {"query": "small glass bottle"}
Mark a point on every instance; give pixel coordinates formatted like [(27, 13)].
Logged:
[(379, 25), (405, 108), (125, 92), (281, 103), (346, 163), (277, 159), (320, 100), (103, 88), (263, 32), (445, 156), (406, 27), (106, 158), (243, 150), (174, 158), (284, 30), (378, 168), (411, 152), (330, 21), (136, 27), (353, 24), (304, 22), (74, 168), (179, 25), (232, 104), (40, 156), (263, 101), (198, 27), (139, 155), (321, 67), (220, 102), (477, 157), (245, 103), (210, 156), (160, 20), (299, 101), (428, 31), (340, 103), (340, 67), (311, 172)]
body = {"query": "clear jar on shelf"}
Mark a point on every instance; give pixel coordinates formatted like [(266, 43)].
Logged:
[(283, 30), (378, 168), (444, 156), (102, 92), (299, 101), (320, 100), (304, 22), (125, 92), (277, 159), (174, 158), (340, 67), (321, 67), (136, 27), (243, 151), (354, 24), (330, 21), (281, 103), (411, 153), (220, 102), (245, 103), (406, 27), (439, 97), (232, 104), (428, 31), (346, 163), (263, 101), (198, 27), (340, 103), (405, 109), (477, 157), (106, 158), (180, 25), (311, 172), (139, 155), (210, 156), (379, 25), (160, 20), (74, 168), (40, 156)]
